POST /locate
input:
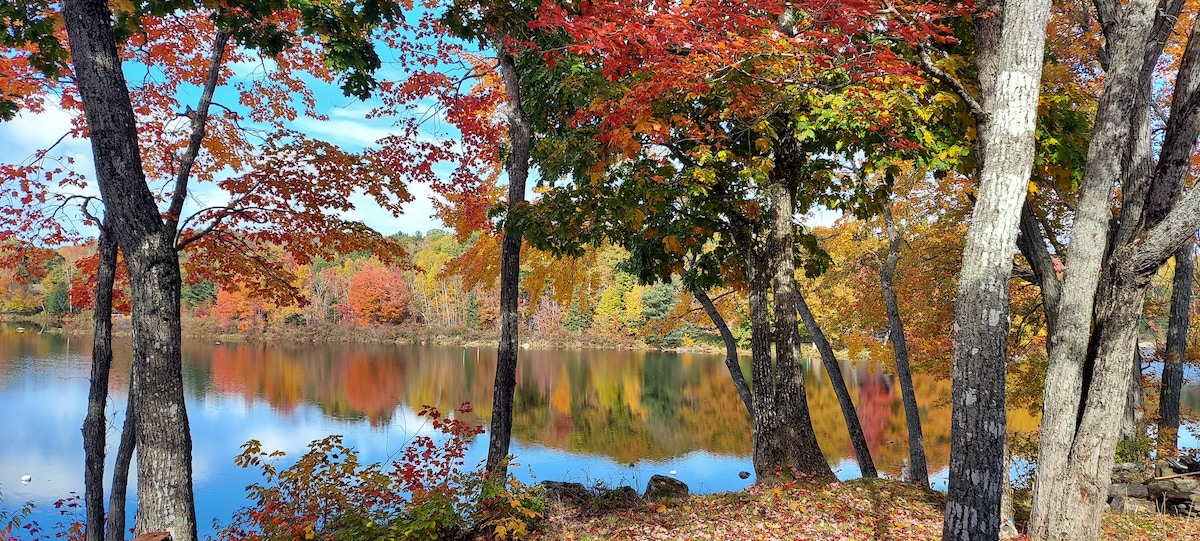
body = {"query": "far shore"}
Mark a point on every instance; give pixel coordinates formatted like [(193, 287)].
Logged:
[(193, 328)]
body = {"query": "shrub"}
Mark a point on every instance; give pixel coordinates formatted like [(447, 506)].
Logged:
[(425, 495)]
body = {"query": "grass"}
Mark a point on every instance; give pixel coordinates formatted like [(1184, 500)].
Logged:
[(857, 510)]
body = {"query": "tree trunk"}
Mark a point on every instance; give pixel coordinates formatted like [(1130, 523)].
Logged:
[(94, 425), (1010, 63), (1172, 375), (510, 268), (1135, 399), (849, 413), (1074, 509), (120, 484), (1061, 432), (803, 450), (165, 494), (918, 472), (164, 443), (731, 353)]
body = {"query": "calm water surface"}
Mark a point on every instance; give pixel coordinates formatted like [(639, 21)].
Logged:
[(612, 416)]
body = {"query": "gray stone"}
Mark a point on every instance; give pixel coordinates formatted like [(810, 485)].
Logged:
[(573, 493), (1137, 491), (1157, 488), (1187, 484), (1133, 490), (623, 497), (1129, 506), (1161, 468), (661, 487), (1128, 472)]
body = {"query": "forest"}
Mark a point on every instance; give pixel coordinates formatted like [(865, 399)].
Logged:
[(1014, 180)]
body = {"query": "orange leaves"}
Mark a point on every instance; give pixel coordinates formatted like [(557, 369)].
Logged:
[(379, 295)]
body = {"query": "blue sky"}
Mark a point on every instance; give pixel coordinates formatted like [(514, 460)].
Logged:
[(346, 126)]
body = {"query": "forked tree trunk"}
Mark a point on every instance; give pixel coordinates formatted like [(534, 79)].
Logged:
[(918, 472), (94, 424), (510, 268), (1172, 374), (1010, 65), (165, 494), (858, 440), (1074, 508), (1076, 442)]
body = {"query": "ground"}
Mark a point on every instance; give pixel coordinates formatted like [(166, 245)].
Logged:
[(857, 510)]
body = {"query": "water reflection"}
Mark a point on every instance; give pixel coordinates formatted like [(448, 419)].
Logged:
[(613, 416)]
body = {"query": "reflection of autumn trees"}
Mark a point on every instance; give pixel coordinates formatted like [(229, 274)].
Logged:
[(627, 405)]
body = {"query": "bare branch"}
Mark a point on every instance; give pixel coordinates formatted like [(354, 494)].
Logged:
[(199, 119)]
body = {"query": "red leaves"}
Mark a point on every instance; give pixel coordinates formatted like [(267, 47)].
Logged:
[(380, 295)]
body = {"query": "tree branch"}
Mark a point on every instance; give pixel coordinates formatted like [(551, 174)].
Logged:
[(199, 119)]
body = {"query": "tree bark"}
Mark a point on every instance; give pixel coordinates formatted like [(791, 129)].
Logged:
[(165, 493), (731, 352), (858, 440), (120, 484), (1172, 375), (1135, 399), (1077, 441), (520, 133), (918, 472), (94, 425), (1010, 57), (803, 451)]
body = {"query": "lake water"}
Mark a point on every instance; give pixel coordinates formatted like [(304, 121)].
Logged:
[(615, 417)]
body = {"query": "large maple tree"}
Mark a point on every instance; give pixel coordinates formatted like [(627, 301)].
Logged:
[(718, 129)]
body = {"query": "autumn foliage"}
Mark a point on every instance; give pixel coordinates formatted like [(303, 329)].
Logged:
[(427, 493), (379, 295)]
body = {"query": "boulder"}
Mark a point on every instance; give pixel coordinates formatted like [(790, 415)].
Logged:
[(1132, 490), (1129, 506), (570, 493), (623, 497), (1128, 472), (661, 487), (1156, 489)]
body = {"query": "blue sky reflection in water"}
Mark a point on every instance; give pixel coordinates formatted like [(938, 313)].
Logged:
[(615, 417)]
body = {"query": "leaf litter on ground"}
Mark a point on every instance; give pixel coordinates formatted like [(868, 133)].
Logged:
[(856, 510)]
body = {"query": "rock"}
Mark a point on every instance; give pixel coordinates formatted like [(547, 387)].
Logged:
[(1157, 488), (623, 497), (1187, 484), (1129, 506), (1133, 490), (571, 493), (744, 474), (1128, 472), (661, 487), (1162, 469)]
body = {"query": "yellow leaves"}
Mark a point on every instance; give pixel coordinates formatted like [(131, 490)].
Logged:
[(309, 533), (753, 210), (672, 244)]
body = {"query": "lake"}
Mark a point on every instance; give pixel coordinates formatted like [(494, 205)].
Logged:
[(615, 417)]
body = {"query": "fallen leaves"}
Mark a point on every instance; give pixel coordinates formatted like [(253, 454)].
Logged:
[(858, 510)]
